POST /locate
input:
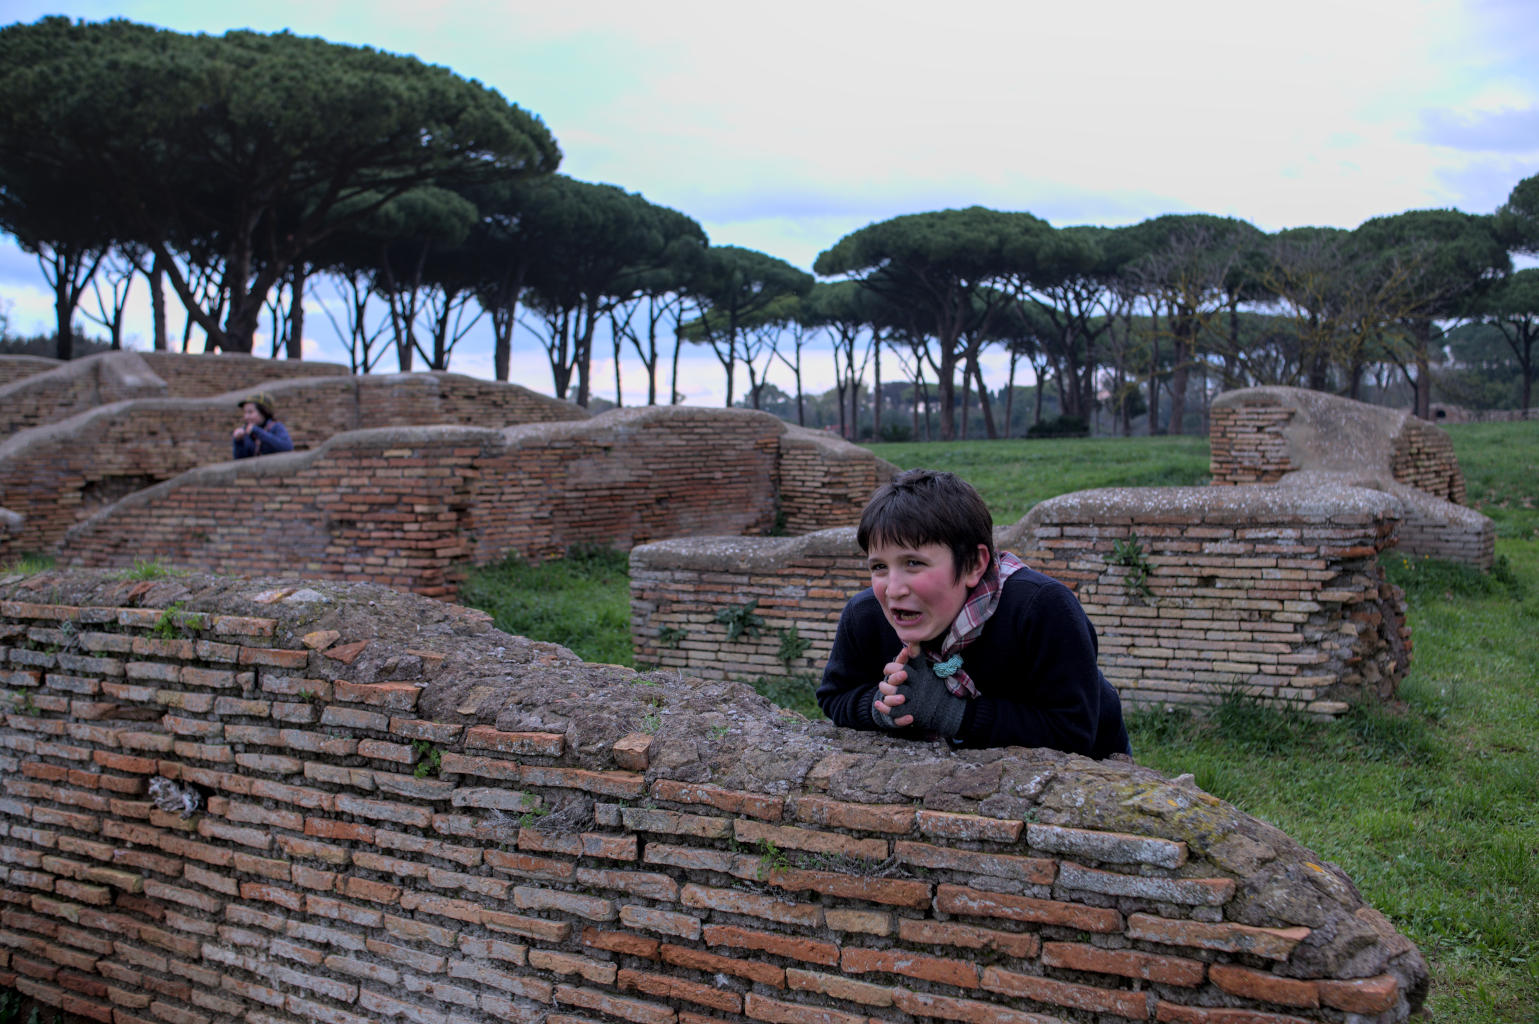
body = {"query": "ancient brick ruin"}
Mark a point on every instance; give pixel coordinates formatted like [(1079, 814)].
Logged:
[(282, 801), (1272, 592), (1301, 438), (31, 396), (62, 472), (133, 464)]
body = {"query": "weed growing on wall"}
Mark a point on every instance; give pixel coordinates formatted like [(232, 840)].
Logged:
[(430, 759), (792, 647), (743, 621), (1130, 553)]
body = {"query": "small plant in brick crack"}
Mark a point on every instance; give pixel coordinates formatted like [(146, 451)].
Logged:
[(174, 622), (430, 759), (792, 647), (744, 621), (533, 810), (1130, 553), (21, 703), (671, 637), (771, 859)]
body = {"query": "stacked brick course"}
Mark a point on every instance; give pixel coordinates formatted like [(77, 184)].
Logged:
[(404, 506), (83, 384), (401, 814), (1273, 591), (1293, 437), (14, 368), (1260, 435), (60, 474)]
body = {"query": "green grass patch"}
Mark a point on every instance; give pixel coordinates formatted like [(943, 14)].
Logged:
[(1501, 473), (581, 601), (27, 565), (1014, 475)]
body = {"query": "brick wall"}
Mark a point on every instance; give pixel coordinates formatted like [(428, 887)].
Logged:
[(403, 506), (82, 384), (61, 473), (14, 368), (824, 480), (1299, 438), (1273, 590), (1259, 435), (404, 815), (197, 375), (1424, 458)]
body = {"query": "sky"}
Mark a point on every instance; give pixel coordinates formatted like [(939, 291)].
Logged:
[(784, 127)]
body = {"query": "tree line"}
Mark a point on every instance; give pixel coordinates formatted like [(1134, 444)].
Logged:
[(244, 172)]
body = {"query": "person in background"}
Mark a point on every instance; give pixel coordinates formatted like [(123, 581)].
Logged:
[(958, 642), (259, 433)]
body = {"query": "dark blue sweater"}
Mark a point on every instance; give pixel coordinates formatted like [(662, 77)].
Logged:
[(271, 437), (1034, 666)]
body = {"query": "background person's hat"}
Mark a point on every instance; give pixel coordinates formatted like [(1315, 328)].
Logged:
[(262, 400)]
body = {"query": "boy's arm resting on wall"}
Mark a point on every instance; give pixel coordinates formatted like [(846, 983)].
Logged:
[(855, 663)]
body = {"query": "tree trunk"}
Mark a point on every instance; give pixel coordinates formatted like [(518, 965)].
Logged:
[(296, 339), (158, 302), (989, 429), (876, 389), (1154, 373)]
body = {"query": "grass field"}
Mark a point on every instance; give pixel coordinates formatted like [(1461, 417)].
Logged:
[(1431, 806)]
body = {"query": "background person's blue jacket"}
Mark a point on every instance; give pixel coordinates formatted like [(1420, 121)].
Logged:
[(269, 438)]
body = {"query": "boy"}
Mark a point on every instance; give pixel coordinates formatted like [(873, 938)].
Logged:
[(259, 433), (954, 641)]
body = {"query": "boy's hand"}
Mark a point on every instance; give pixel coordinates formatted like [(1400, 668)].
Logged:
[(894, 674), (929, 702)]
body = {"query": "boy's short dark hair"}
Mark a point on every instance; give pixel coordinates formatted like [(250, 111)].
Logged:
[(928, 506)]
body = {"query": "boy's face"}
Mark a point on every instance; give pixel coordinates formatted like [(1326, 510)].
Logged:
[(918, 587)]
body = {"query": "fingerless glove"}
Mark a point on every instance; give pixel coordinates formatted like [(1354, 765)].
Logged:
[(925, 696)]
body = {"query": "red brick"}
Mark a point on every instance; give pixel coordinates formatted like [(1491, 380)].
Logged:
[(809, 950), (700, 960), (621, 942), (1263, 987), (1165, 970), (666, 987), (755, 805), (1174, 1013), (777, 1012), (892, 891), (969, 827), (542, 744), (968, 1011), (894, 818), (634, 1010), (1361, 995), (1032, 870), (1121, 1002), (1271, 943), (1017, 944), (956, 899), (854, 960)]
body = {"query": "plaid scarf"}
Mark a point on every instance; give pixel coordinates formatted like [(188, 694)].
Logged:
[(981, 605)]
